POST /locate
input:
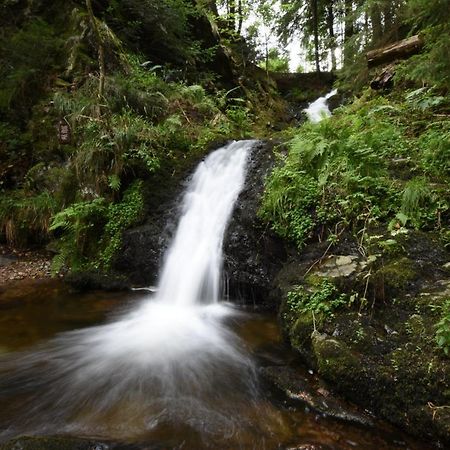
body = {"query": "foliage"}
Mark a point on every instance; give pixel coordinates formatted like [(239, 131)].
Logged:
[(160, 29), (324, 300), (25, 218), (432, 66), (77, 224), (275, 61), (417, 201), (289, 202), (25, 60), (81, 223), (120, 216), (345, 172), (443, 329)]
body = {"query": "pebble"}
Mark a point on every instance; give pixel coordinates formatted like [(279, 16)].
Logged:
[(26, 264)]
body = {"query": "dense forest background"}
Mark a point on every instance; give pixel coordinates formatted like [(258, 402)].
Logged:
[(101, 102)]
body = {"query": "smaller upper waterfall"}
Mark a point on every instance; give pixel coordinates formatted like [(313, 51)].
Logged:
[(318, 109)]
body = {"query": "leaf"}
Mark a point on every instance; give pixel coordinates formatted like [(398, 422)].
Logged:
[(403, 218)]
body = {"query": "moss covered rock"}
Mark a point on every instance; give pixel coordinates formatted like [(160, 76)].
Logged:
[(381, 350)]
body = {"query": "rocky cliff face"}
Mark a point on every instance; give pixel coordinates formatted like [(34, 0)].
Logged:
[(252, 254)]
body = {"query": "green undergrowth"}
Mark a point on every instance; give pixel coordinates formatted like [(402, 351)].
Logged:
[(324, 300), (79, 168), (443, 329), (380, 160)]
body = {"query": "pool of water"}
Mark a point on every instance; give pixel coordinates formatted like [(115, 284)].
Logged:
[(225, 417)]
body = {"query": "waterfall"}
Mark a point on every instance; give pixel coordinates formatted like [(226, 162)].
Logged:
[(170, 360), (192, 268), (318, 109)]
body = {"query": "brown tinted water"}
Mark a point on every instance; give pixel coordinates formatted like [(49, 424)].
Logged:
[(32, 313)]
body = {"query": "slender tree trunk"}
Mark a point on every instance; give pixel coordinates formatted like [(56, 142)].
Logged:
[(377, 28), (212, 6), (232, 15), (101, 53), (267, 55), (349, 31), (315, 17), (240, 17), (330, 24), (388, 12)]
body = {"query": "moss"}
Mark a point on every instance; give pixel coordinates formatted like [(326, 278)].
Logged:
[(334, 359), (302, 330), (395, 276)]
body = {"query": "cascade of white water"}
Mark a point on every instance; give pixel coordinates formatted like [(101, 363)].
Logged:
[(318, 109), (191, 272)]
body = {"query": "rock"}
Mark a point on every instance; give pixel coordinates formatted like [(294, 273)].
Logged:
[(335, 101), (89, 280), (310, 447), (69, 443), (7, 260), (339, 266), (383, 356), (252, 253), (299, 388)]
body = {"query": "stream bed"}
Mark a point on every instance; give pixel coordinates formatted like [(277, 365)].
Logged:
[(34, 312)]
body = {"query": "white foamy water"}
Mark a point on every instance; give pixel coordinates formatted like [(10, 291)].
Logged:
[(172, 359), (193, 265), (318, 109)]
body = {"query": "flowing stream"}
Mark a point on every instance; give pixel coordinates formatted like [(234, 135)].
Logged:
[(318, 109), (174, 369)]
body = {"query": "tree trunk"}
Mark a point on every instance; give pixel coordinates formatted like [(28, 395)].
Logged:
[(377, 29), (315, 18), (385, 79), (240, 17), (349, 31), (388, 11), (101, 54), (398, 50), (231, 15), (330, 24)]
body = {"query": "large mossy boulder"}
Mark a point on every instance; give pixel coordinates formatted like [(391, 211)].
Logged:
[(379, 347)]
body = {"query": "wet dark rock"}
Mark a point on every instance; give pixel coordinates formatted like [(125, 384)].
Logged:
[(311, 447), (252, 253), (69, 443), (300, 389), (335, 101), (309, 83), (6, 260), (90, 280)]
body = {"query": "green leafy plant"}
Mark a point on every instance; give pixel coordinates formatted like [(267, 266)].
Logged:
[(78, 225), (25, 218), (325, 299), (443, 329), (120, 216)]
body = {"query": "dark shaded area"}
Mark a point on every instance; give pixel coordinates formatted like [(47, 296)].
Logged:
[(252, 252)]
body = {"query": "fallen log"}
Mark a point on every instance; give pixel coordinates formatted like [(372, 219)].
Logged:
[(398, 50)]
